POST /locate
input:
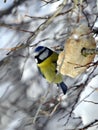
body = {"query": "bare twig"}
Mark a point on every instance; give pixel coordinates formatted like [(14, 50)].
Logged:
[(40, 106), (89, 125), (9, 9)]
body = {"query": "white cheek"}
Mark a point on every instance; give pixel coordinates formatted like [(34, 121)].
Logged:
[(44, 55)]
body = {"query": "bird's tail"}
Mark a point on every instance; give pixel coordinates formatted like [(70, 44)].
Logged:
[(63, 87)]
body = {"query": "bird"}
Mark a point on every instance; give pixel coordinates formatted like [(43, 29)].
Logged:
[(46, 60)]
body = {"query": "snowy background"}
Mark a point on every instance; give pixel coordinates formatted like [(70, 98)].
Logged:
[(27, 101)]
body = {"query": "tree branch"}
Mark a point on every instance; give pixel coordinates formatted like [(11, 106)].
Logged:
[(9, 9)]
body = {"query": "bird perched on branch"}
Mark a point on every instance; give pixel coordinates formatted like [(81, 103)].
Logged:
[(46, 60)]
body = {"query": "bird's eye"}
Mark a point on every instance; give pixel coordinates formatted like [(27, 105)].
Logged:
[(44, 55)]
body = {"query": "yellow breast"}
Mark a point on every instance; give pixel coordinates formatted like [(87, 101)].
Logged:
[(48, 69)]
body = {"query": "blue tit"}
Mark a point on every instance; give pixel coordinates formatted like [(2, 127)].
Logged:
[(47, 63)]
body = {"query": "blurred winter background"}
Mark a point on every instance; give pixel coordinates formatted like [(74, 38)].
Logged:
[(27, 101)]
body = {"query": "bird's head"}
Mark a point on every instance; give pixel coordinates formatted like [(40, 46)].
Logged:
[(41, 53)]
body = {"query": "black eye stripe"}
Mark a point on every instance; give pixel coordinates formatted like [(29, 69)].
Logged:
[(50, 52), (41, 60), (40, 53), (44, 55)]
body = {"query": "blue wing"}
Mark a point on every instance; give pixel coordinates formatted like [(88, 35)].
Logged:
[(63, 87)]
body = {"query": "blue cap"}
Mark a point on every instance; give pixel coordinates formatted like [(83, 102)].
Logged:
[(39, 48)]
